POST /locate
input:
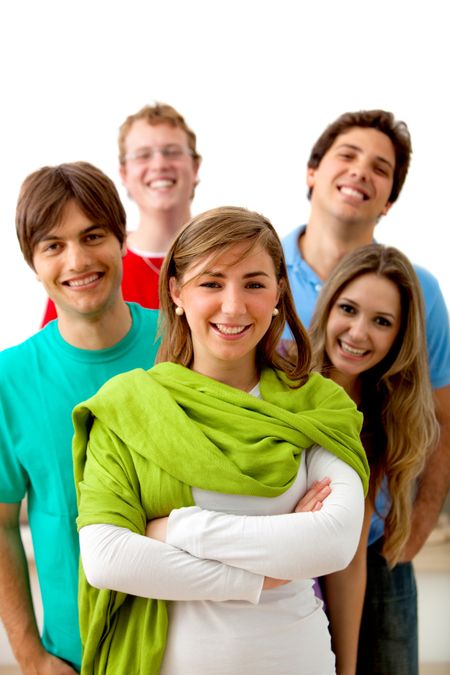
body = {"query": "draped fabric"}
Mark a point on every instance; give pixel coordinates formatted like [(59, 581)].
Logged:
[(147, 437)]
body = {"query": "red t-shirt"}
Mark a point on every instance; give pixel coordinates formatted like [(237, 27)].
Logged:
[(139, 283)]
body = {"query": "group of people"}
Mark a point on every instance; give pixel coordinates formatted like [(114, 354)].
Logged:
[(252, 502)]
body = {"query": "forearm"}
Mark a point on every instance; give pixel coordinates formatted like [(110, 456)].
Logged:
[(118, 559), (16, 605), (289, 546), (344, 597), (434, 482)]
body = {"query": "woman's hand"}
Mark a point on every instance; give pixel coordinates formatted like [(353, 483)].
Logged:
[(269, 583), (157, 529), (311, 501), (314, 498)]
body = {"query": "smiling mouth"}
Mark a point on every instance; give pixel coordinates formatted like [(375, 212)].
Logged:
[(354, 193), (225, 329), (352, 350), (161, 183), (79, 283)]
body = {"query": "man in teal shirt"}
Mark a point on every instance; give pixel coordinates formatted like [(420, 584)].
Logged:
[(71, 228)]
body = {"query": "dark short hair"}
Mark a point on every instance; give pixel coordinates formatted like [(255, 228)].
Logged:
[(45, 193), (381, 120)]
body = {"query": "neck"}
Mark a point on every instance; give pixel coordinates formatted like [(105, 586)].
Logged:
[(244, 378), (96, 331), (326, 241), (157, 229), (350, 383)]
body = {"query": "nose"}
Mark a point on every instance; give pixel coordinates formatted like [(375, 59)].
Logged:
[(77, 257), (158, 159), (233, 303), (358, 328), (359, 169)]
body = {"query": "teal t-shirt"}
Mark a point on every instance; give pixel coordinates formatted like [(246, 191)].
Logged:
[(41, 380)]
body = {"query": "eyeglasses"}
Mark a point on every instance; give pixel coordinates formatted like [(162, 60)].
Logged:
[(171, 152)]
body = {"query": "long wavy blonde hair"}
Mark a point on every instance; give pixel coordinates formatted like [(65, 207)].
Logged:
[(397, 391)]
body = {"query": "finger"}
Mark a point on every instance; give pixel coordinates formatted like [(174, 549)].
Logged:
[(308, 501)]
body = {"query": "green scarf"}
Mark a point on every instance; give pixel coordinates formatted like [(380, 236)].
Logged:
[(151, 436)]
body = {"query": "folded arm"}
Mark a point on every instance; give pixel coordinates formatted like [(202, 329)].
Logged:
[(118, 559), (289, 546)]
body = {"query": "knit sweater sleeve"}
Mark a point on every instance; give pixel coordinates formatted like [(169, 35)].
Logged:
[(289, 546), (115, 558)]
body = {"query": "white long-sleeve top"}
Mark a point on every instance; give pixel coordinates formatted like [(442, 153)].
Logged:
[(218, 628)]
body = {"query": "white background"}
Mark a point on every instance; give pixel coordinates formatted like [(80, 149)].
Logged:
[(257, 80)]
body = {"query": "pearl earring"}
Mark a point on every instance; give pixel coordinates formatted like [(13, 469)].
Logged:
[(179, 311), (275, 311)]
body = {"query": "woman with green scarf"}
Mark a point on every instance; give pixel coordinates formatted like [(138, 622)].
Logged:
[(213, 487)]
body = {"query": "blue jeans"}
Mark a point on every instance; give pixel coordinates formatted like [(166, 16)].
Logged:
[(388, 641)]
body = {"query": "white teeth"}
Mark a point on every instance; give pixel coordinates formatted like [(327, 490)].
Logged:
[(352, 350), (83, 282), (229, 330), (161, 183), (350, 192)]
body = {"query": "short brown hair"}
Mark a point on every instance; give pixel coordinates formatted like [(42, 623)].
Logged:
[(44, 194), (381, 120), (210, 234), (160, 113)]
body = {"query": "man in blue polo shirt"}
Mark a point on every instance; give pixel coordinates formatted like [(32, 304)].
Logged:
[(355, 173), (71, 228)]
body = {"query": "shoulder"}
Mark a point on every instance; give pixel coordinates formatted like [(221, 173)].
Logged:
[(428, 281), (124, 384), (290, 244), (23, 356), (435, 305), (317, 392), (328, 392), (149, 316), (432, 293)]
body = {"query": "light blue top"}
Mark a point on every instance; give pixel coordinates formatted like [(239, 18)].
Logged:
[(306, 286), (41, 380)]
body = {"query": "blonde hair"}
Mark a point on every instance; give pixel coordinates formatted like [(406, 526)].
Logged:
[(398, 387), (211, 234), (159, 113)]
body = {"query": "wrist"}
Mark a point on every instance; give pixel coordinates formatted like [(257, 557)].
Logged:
[(29, 655)]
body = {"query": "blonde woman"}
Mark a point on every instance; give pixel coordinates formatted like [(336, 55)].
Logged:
[(368, 335)]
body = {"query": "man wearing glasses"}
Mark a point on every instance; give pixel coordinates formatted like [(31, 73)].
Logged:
[(158, 166)]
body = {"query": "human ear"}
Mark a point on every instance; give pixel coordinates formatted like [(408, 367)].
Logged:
[(281, 289), (123, 174), (386, 209), (175, 292), (310, 177)]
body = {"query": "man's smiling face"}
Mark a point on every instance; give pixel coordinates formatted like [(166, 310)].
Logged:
[(353, 181), (155, 180)]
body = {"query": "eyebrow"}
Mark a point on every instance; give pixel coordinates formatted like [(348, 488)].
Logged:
[(221, 275), (51, 235), (358, 149), (355, 304)]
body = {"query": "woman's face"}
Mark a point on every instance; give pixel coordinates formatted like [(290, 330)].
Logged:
[(363, 324), (228, 305)]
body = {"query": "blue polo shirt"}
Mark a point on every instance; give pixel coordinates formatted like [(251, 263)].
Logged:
[(306, 286)]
